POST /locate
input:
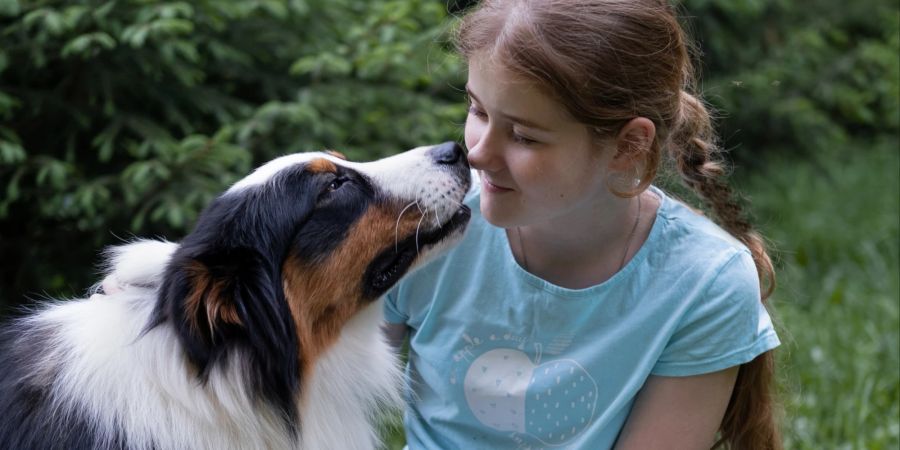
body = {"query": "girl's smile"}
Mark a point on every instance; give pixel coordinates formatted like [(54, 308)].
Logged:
[(492, 188)]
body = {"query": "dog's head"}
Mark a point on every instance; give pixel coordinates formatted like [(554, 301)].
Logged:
[(283, 259)]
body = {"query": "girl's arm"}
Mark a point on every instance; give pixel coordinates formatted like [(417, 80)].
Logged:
[(678, 412)]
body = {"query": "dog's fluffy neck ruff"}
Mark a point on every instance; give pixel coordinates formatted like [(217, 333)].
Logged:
[(107, 369), (126, 378)]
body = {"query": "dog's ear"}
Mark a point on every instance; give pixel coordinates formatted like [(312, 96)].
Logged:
[(221, 298), (221, 302), (204, 295)]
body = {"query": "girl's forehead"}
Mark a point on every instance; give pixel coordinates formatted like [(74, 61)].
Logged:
[(495, 86), (484, 65)]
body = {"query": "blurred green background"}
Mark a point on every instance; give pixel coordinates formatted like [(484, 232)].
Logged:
[(124, 118)]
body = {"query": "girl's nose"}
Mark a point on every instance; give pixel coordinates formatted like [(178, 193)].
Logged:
[(482, 155)]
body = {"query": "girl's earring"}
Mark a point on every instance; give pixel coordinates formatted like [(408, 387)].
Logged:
[(634, 177), (625, 182)]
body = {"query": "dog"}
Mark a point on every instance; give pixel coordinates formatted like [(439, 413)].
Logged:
[(259, 330)]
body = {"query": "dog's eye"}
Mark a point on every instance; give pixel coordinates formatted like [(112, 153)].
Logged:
[(333, 185), (336, 183)]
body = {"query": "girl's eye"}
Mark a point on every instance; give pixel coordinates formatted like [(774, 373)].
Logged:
[(522, 139), (473, 110), (476, 112)]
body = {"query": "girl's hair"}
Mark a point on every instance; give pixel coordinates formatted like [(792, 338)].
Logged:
[(607, 62)]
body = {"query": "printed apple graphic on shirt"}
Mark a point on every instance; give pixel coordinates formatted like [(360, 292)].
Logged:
[(552, 402)]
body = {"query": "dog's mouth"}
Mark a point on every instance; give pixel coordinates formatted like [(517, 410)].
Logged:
[(392, 263)]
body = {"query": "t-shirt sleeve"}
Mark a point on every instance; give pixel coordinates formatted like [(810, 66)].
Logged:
[(393, 311), (727, 326)]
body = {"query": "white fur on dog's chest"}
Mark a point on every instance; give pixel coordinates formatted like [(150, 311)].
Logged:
[(355, 379)]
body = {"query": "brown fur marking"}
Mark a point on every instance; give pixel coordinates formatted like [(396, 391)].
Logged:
[(320, 165), (324, 296), (206, 293)]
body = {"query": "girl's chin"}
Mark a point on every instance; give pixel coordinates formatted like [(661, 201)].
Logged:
[(498, 215)]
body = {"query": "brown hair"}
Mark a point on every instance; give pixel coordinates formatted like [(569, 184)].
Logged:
[(607, 62)]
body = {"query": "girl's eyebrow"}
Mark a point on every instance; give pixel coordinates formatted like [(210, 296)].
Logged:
[(525, 122)]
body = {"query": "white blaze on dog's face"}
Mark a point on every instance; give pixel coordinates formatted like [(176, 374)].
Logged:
[(305, 242)]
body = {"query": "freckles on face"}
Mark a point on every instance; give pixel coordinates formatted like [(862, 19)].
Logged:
[(571, 171)]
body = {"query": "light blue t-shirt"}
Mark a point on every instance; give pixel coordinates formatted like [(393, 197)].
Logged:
[(500, 358)]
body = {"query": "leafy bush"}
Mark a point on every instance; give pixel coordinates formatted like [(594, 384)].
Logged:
[(128, 116), (798, 77)]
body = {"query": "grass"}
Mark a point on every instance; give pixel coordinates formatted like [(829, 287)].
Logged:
[(834, 220)]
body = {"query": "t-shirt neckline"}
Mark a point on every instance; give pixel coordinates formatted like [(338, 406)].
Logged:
[(610, 283)]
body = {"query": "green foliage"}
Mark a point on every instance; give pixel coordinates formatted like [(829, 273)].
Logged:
[(129, 116), (783, 76)]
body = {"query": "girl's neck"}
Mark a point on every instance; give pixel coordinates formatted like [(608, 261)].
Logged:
[(584, 251)]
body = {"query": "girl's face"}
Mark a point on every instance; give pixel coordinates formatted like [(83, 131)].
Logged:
[(537, 164)]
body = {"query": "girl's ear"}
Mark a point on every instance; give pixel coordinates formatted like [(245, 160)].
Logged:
[(632, 146)]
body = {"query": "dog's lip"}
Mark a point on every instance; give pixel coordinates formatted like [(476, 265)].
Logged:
[(458, 219), (392, 263)]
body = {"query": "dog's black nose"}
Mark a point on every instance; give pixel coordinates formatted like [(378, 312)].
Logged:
[(447, 153)]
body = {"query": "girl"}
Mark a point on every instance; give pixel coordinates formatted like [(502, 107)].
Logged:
[(586, 308)]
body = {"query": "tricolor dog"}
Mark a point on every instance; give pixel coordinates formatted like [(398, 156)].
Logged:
[(259, 330)]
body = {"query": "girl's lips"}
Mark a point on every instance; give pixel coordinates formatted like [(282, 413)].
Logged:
[(493, 188)]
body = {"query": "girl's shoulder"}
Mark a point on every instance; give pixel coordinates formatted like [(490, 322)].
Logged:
[(704, 268), (690, 244), (686, 227)]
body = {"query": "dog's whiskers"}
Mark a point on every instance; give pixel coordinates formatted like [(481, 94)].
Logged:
[(418, 226), (423, 208), (456, 203), (437, 218), (397, 225)]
